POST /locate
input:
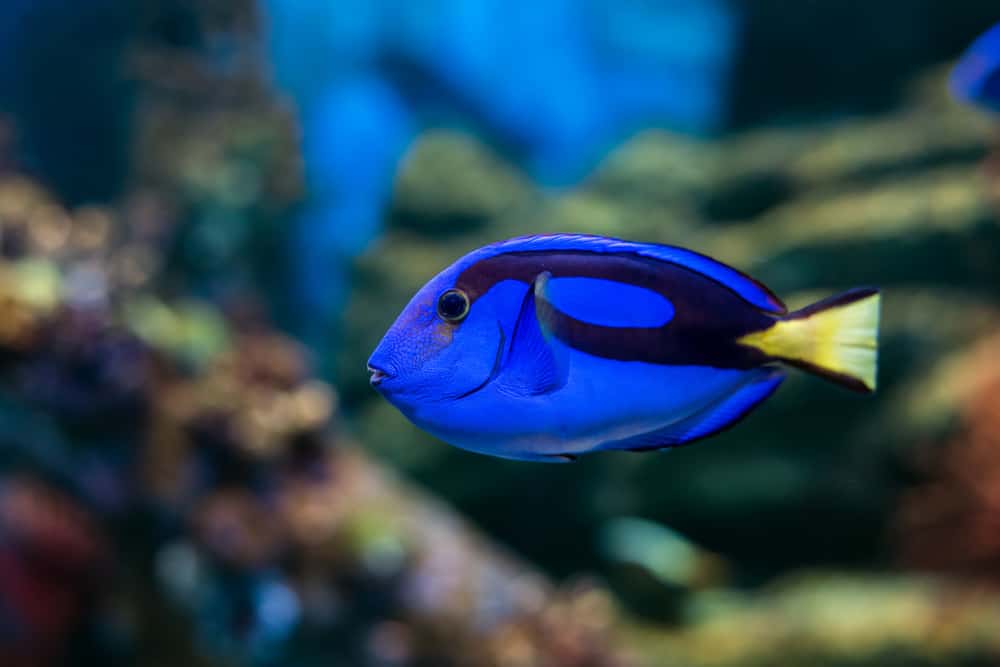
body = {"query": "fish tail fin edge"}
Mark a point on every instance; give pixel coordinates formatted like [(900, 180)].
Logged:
[(836, 338)]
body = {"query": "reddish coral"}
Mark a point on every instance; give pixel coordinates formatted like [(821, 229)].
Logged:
[(50, 553), (952, 522)]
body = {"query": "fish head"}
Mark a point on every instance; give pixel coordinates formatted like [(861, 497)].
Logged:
[(445, 345)]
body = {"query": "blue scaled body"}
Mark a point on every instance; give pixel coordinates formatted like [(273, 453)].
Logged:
[(976, 77), (548, 347)]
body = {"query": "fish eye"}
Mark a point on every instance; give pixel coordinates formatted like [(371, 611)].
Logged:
[(453, 305)]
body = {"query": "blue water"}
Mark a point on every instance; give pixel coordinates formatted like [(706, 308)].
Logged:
[(552, 83)]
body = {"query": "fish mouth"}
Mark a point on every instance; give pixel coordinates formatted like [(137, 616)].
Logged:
[(378, 375)]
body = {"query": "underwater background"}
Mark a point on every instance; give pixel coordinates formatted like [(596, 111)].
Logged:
[(211, 210)]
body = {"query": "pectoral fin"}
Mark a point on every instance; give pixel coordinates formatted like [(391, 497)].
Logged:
[(535, 365)]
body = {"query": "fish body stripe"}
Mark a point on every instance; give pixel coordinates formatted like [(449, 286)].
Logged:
[(708, 316)]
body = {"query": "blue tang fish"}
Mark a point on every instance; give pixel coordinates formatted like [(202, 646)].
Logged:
[(976, 77), (548, 347)]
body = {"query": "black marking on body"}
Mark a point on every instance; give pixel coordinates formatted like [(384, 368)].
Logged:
[(709, 317)]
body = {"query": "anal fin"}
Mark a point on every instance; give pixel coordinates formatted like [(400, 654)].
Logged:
[(711, 420)]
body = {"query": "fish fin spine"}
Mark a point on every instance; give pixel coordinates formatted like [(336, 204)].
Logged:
[(836, 338)]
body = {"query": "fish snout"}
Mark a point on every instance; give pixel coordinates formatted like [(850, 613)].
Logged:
[(383, 364)]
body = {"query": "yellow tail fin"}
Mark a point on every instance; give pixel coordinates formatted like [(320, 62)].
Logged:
[(836, 338)]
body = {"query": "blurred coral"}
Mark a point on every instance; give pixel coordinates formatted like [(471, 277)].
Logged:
[(52, 554), (833, 619), (951, 523), (269, 526)]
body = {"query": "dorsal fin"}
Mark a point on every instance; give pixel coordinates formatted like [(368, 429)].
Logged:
[(741, 284)]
